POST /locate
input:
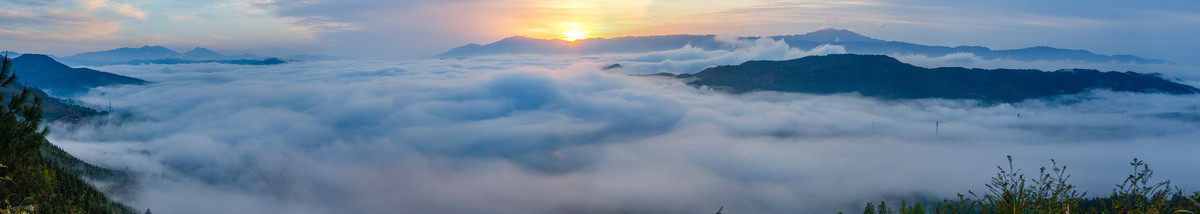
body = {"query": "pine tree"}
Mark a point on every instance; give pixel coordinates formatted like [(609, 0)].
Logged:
[(870, 209), (917, 209)]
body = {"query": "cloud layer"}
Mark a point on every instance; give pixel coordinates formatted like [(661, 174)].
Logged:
[(555, 134)]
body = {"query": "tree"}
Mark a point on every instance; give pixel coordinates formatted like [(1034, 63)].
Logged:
[(22, 136), (916, 209), (870, 209)]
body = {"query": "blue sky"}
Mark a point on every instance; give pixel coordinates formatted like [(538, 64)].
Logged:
[(416, 28)]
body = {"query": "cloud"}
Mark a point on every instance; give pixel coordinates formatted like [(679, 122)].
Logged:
[(555, 134), (310, 26), (120, 8), (691, 59), (1181, 73), (35, 2), (92, 4), (55, 25), (190, 17)]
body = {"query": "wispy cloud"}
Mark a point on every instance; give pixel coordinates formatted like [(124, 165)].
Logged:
[(186, 17), (311, 26), (56, 25), (122, 8)]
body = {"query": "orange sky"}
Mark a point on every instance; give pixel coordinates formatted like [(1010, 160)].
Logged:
[(549, 20), (418, 28)]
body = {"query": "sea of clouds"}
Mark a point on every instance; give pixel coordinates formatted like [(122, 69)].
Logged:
[(556, 134)]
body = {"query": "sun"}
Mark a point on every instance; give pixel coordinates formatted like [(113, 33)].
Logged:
[(574, 32)]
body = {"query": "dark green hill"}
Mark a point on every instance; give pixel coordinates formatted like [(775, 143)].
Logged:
[(885, 77), (43, 72)]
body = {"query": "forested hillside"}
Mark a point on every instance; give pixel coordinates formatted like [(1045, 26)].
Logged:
[(35, 176)]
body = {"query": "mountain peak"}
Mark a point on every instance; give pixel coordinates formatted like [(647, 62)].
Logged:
[(36, 57), (200, 52), (836, 35), (40, 60), (41, 71), (517, 38), (121, 55)]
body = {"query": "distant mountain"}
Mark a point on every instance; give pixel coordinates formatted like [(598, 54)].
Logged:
[(148, 54), (43, 72), (121, 55), (885, 77), (853, 43), (53, 109), (174, 61), (10, 54), (526, 45), (203, 53), (830, 35)]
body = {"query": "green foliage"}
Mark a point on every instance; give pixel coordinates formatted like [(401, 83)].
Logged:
[(29, 182), (903, 209), (1010, 192), (914, 209), (1137, 195)]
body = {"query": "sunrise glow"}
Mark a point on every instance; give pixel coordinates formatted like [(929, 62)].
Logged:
[(575, 32)]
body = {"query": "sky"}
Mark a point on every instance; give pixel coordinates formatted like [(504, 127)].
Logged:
[(419, 28)]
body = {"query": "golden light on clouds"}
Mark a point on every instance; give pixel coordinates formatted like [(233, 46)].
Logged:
[(574, 32), (571, 20)]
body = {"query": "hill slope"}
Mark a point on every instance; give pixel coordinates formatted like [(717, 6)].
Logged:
[(886, 77), (43, 72)]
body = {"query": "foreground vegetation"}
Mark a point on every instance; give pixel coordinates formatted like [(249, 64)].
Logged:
[(1011, 192), (33, 178)]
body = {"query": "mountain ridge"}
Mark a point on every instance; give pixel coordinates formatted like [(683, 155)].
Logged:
[(886, 77), (147, 53), (852, 42), (41, 71)]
